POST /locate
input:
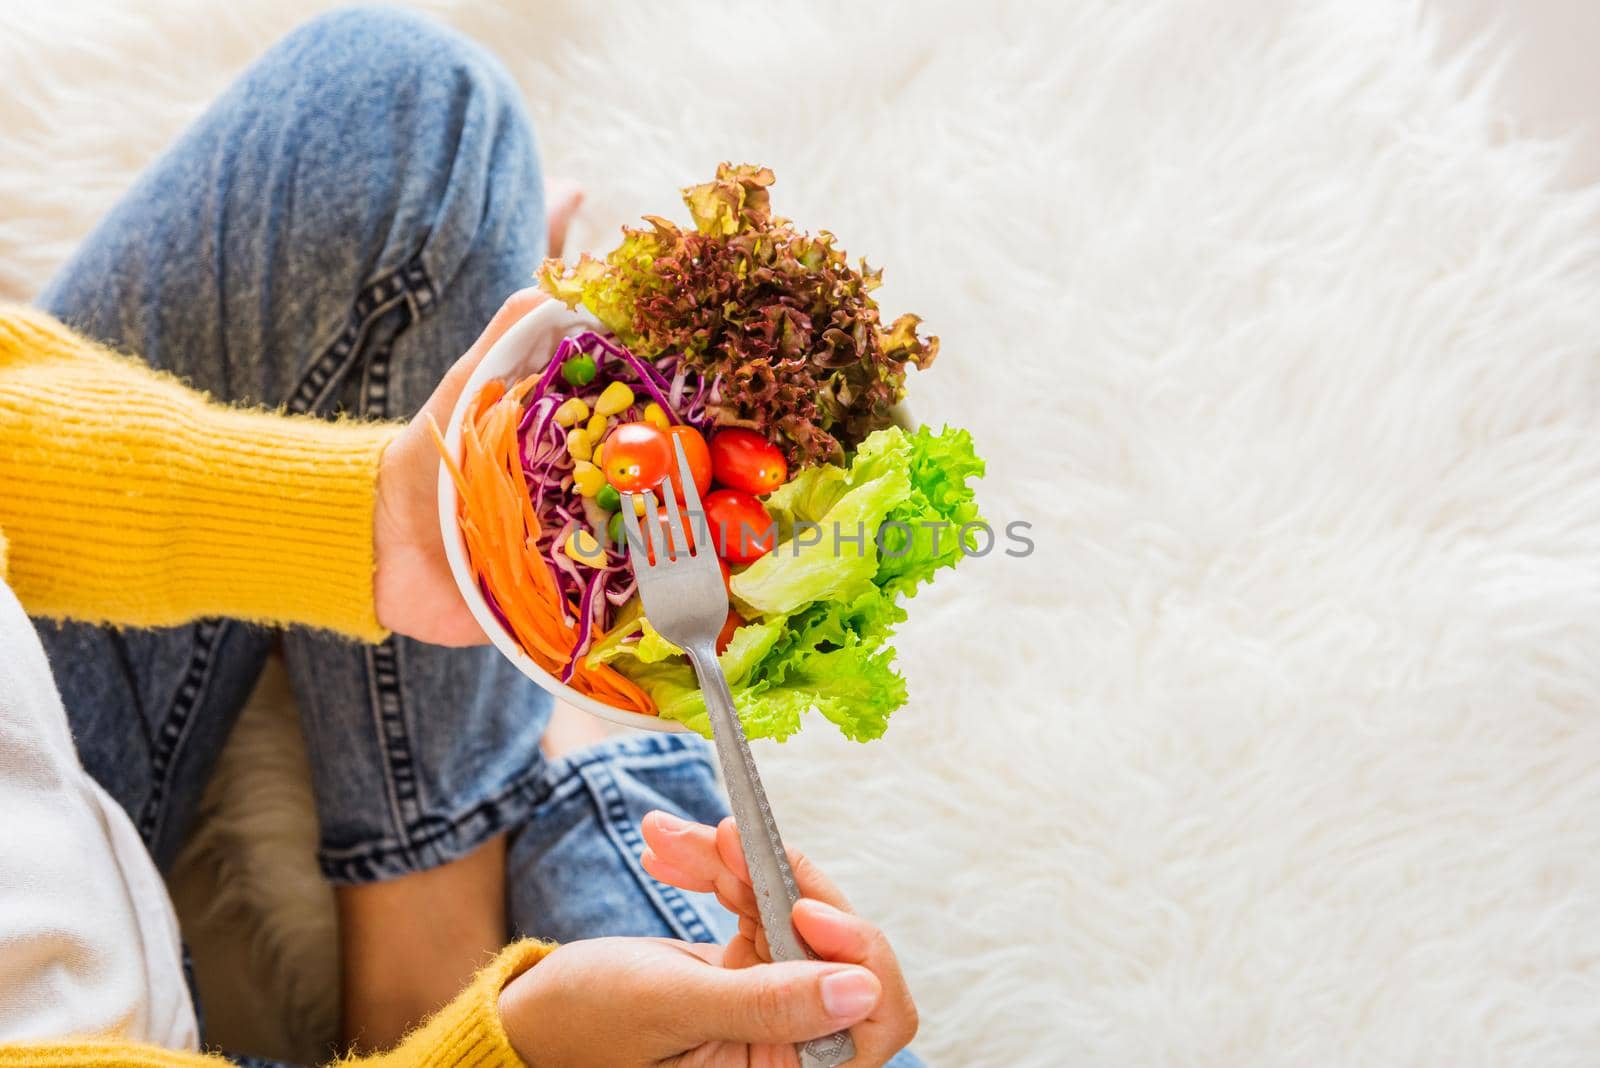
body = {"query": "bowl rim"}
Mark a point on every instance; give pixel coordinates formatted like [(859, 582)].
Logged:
[(525, 347)]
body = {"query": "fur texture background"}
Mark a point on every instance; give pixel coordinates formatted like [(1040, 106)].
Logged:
[(1284, 747)]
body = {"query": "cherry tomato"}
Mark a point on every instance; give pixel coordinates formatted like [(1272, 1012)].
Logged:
[(741, 527), (699, 457), (729, 625), (672, 545), (637, 457), (727, 574), (744, 460)]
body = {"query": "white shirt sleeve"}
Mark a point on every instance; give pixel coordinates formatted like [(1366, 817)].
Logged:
[(88, 940)]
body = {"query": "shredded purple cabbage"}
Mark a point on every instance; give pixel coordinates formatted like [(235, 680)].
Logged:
[(616, 348), (494, 607), (586, 610), (601, 588)]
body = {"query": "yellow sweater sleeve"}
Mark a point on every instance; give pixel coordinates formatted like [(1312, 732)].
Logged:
[(468, 1031), (128, 498)]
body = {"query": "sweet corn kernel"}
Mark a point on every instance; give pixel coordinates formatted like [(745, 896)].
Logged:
[(588, 478), (617, 397), (583, 547), (638, 503), (597, 424), (656, 417), (579, 445), (572, 411)]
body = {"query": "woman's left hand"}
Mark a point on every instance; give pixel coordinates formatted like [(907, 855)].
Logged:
[(412, 588), (705, 859)]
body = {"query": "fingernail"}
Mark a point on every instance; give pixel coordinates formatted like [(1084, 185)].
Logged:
[(848, 995), (819, 908), (670, 824)]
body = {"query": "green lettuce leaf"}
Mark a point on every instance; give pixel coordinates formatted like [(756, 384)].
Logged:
[(764, 712), (909, 490), (823, 619), (748, 646), (831, 657), (935, 512)]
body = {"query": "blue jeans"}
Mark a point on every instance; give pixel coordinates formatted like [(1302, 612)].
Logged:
[(328, 238)]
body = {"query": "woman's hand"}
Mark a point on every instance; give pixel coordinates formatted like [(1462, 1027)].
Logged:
[(702, 859), (413, 591), (648, 1002)]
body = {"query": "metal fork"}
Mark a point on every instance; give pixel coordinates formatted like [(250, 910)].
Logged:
[(685, 600)]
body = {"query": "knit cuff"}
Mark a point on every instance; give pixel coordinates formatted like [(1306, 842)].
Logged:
[(279, 520), (469, 1029)]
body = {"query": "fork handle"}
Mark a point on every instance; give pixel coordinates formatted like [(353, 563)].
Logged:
[(770, 874)]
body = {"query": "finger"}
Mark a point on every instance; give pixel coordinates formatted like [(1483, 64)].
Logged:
[(835, 935), (777, 1003), (709, 952), (729, 849), (810, 878), (756, 935), (691, 848), (737, 897), (668, 873), (688, 847), (740, 953)]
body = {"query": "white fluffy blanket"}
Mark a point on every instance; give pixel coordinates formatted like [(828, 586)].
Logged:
[(1284, 748)]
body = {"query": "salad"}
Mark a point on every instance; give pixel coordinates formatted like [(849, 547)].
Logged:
[(761, 350)]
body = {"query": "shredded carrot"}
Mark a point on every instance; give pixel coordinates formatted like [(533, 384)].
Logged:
[(502, 530)]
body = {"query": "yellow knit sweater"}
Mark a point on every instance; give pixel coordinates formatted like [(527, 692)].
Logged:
[(127, 498), (465, 1032)]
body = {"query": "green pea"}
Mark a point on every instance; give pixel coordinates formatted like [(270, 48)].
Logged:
[(608, 498), (579, 370), (614, 530)]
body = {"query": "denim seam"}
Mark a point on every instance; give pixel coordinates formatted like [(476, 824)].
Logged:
[(399, 767), (670, 901), (174, 730), (444, 842), (411, 286), (640, 750), (539, 786), (522, 790), (564, 776), (374, 393), (385, 293), (418, 283), (119, 645)]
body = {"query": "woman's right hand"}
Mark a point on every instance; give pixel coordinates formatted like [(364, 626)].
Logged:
[(648, 1002), (413, 591)]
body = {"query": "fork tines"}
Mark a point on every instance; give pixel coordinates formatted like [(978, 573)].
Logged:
[(682, 547)]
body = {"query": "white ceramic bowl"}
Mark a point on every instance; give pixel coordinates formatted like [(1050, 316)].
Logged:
[(523, 349)]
